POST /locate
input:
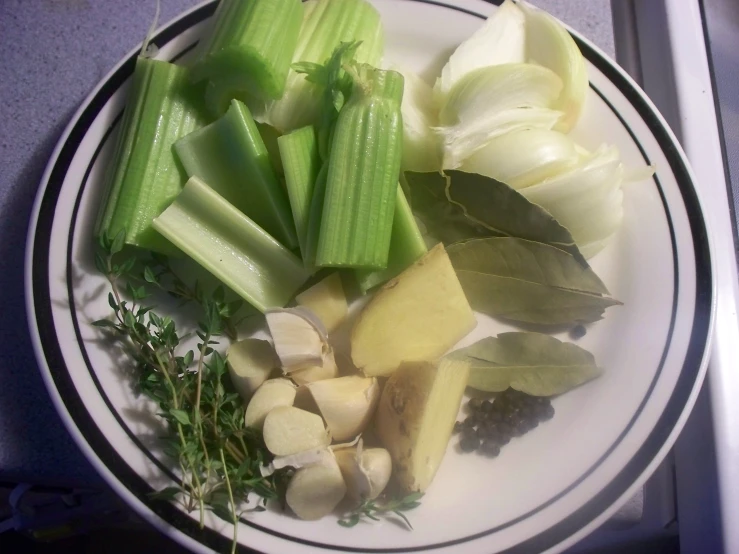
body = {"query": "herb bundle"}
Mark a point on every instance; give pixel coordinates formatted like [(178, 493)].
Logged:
[(373, 510), (218, 457)]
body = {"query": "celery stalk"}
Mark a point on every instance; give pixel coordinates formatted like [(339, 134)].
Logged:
[(219, 93), (363, 170), (314, 218), (269, 136), (231, 246), (406, 246), (231, 157), (301, 163), (326, 24), (250, 45), (144, 176)]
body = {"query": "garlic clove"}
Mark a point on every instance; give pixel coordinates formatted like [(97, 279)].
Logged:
[(250, 361), (272, 394), (315, 490), (377, 465), (366, 472), (298, 460), (327, 300), (299, 337), (346, 403), (317, 373), (288, 430)]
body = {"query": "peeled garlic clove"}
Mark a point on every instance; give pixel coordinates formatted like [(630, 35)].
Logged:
[(327, 300), (301, 459), (377, 464), (288, 430), (346, 403), (341, 445), (300, 338), (366, 472), (315, 490), (250, 361), (272, 394), (317, 373)]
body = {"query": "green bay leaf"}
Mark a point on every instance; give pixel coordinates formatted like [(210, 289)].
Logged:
[(525, 260), (532, 363), (459, 206), (528, 282)]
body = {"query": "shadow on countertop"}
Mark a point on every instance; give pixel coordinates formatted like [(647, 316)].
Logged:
[(30, 426), (109, 541)]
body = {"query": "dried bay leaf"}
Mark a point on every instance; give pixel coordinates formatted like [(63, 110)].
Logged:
[(528, 282), (525, 260), (532, 363), (459, 206)]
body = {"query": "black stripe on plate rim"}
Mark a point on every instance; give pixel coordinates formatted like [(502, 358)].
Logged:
[(174, 516)]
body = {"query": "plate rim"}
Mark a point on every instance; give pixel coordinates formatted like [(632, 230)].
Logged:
[(183, 22)]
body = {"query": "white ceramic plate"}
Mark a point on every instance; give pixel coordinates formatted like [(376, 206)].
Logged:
[(545, 490)]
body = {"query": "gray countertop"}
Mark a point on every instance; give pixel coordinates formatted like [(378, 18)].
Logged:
[(55, 52), (722, 24)]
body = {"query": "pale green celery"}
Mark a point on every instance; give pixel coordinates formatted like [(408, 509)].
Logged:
[(219, 93), (363, 170), (144, 176), (269, 136), (231, 246), (406, 246), (326, 24), (314, 218), (231, 157), (301, 163), (250, 45)]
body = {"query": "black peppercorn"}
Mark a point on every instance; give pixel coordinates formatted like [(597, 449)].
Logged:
[(470, 421), (469, 441), (486, 406), (578, 332), (547, 413), (475, 403), (490, 448)]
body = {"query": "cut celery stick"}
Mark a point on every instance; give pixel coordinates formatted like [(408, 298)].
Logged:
[(231, 246), (406, 246), (326, 24), (269, 136), (250, 45), (144, 176), (314, 218), (301, 163), (363, 170), (231, 157), (218, 96)]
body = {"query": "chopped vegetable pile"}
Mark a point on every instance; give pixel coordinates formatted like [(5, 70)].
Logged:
[(302, 175)]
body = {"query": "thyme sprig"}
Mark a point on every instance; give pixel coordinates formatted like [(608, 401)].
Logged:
[(218, 457), (373, 510)]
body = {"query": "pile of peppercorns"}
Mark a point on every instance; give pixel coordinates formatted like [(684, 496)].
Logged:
[(491, 425)]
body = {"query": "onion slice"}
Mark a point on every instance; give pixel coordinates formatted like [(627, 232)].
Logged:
[(549, 44), (500, 40), (494, 100), (421, 146), (523, 158)]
